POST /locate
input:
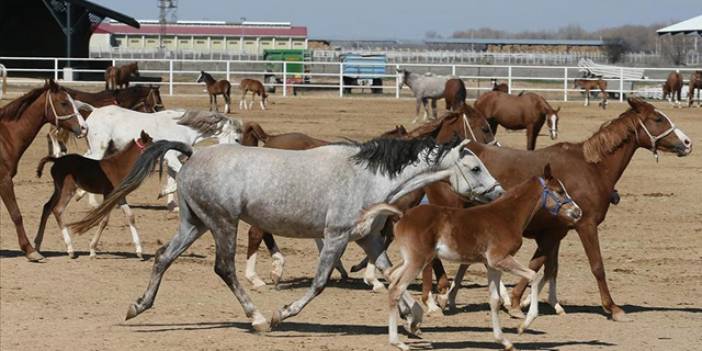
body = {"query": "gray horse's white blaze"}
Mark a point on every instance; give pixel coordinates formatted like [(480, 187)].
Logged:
[(303, 194)]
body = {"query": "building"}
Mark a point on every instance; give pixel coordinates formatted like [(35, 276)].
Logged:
[(202, 37)]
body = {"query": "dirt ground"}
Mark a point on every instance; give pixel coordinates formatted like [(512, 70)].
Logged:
[(651, 244)]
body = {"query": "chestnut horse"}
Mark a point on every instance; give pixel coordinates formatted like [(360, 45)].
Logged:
[(94, 176), (256, 88), (455, 94), (214, 88), (590, 169), (503, 87), (20, 121), (489, 234), (673, 87), (119, 77), (524, 111), (695, 84), (591, 84)]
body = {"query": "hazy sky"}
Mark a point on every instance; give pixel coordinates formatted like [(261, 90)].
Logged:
[(411, 19)]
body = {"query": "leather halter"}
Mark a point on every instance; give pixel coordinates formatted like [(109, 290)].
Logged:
[(467, 127), (547, 193), (58, 118), (655, 139)]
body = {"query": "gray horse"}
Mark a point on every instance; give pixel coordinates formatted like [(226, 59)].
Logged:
[(298, 194), (424, 87)]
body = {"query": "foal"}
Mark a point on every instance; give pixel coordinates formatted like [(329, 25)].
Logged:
[(672, 87), (256, 88), (214, 88), (94, 176), (591, 84), (489, 234)]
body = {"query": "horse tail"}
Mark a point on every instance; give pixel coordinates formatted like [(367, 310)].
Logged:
[(258, 132), (229, 89), (141, 169), (365, 222), (42, 162)]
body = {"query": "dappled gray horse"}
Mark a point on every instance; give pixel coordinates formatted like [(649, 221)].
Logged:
[(424, 87), (299, 194)]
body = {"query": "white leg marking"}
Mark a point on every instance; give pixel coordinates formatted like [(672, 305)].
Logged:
[(371, 279), (278, 266), (251, 275)]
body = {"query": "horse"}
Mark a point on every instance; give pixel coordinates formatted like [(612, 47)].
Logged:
[(214, 88), (3, 75), (503, 87), (454, 94), (190, 127), (20, 121), (119, 77), (304, 194), (695, 83), (95, 176), (256, 88), (489, 234), (590, 84), (524, 111), (591, 170), (672, 87), (424, 87)]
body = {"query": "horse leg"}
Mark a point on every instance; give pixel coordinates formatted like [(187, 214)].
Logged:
[(416, 115), (48, 208), (211, 100), (532, 134), (255, 238), (242, 102), (442, 283), (253, 99), (276, 256), (370, 278), (492, 122), (493, 276), (425, 102), (67, 192), (537, 260), (403, 276), (510, 265), (132, 228), (334, 245), (456, 286), (338, 266), (227, 101), (587, 97), (7, 193), (427, 296), (216, 108)]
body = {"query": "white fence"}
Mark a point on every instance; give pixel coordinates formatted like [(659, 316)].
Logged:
[(178, 76)]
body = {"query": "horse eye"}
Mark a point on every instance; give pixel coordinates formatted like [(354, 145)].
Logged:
[(659, 119), (486, 129), (475, 169)]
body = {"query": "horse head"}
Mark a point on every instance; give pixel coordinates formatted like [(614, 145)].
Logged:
[(656, 131), (556, 200), (61, 110), (470, 178)]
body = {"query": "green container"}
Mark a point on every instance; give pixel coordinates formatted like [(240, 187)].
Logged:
[(288, 55)]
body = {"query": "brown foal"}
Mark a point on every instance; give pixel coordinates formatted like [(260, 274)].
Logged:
[(672, 88), (119, 77), (695, 84), (591, 84), (256, 88), (214, 88), (490, 234), (455, 94), (94, 176)]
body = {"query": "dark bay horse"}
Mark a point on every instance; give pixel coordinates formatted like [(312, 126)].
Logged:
[(455, 94), (119, 77), (525, 111), (214, 88), (20, 121), (591, 84), (695, 84), (590, 170), (94, 176), (256, 88), (672, 88)]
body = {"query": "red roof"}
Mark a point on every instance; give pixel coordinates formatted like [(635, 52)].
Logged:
[(204, 30)]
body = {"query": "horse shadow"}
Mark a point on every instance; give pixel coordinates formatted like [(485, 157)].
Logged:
[(546, 309), (483, 345), (101, 255)]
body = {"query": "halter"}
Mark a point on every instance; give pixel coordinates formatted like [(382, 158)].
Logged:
[(58, 118), (467, 127), (546, 193), (655, 139), (139, 144), (463, 175)]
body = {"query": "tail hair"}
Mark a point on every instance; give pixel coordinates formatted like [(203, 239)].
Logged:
[(42, 162), (141, 169), (365, 222)]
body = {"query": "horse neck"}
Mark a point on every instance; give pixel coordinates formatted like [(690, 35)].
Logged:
[(412, 177), (209, 80), (519, 205), (612, 165), (24, 129)]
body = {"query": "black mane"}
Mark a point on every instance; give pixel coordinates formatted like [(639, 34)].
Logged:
[(391, 156)]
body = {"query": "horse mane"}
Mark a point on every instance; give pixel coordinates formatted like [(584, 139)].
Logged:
[(391, 156), (15, 109), (611, 135), (207, 123)]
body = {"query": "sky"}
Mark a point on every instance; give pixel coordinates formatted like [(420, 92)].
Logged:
[(411, 19)]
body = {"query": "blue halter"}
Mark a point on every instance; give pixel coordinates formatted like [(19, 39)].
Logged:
[(550, 194)]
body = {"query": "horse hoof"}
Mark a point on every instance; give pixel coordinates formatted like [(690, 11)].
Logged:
[(275, 278), (400, 345), (140, 256), (35, 256), (72, 255), (378, 287), (515, 313), (620, 316), (559, 310), (521, 328), (131, 312), (261, 325), (276, 319)]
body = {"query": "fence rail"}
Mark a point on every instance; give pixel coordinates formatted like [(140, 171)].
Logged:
[(179, 75)]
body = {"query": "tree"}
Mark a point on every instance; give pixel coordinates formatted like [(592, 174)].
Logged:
[(615, 48), (673, 48)]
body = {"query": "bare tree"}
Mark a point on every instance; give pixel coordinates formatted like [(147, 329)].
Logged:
[(615, 48), (673, 49)]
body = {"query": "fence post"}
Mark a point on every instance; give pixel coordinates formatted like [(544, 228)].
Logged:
[(170, 77), (565, 84), (341, 79), (285, 78), (453, 70), (509, 79), (397, 82), (56, 69), (621, 84), (114, 63), (228, 70)]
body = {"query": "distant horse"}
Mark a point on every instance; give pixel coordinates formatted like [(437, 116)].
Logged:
[(503, 87), (214, 88), (673, 87), (695, 85), (94, 176), (424, 87), (591, 84), (3, 75), (20, 121), (119, 77), (256, 88), (525, 111), (455, 94)]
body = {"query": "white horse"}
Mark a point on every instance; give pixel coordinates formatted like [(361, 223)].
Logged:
[(424, 87), (3, 75), (122, 125), (313, 193)]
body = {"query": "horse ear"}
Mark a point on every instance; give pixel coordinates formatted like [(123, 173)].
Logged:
[(638, 105), (52, 85), (547, 172), (145, 137), (558, 109)]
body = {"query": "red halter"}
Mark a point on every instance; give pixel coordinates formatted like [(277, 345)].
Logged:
[(139, 144)]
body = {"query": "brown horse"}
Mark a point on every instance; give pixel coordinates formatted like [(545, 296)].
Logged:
[(524, 111), (20, 121), (673, 87), (455, 94), (695, 84), (591, 84), (590, 169), (94, 176), (119, 77), (503, 87), (490, 234), (214, 88), (256, 88)]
